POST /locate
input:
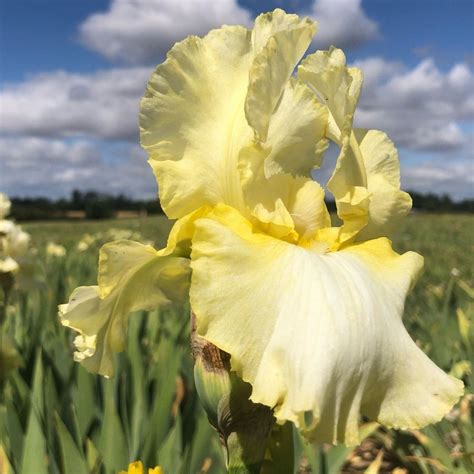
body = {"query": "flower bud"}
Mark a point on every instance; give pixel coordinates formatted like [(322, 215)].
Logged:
[(243, 426)]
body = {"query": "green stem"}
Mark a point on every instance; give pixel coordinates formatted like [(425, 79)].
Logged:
[(6, 284)]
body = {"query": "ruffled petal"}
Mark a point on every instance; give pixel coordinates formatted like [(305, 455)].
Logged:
[(132, 277), (318, 335), (373, 209), (296, 137), (336, 85), (339, 88), (279, 41), (198, 105), (287, 207), (388, 204), (192, 120), (366, 179), (350, 190)]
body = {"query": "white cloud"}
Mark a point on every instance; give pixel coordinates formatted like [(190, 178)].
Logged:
[(342, 23), (454, 177), (104, 104), (60, 129), (59, 104), (142, 31), (420, 108), (41, 166)]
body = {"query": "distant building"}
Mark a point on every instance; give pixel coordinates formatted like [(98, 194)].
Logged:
[(75, 214), (130, 214)]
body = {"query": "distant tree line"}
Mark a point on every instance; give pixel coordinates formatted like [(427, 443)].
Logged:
[(95, 205), (431, 202), (90, 204)]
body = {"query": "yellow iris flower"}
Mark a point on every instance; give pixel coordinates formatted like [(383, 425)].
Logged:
[(5, 205), (55, 250), (137, 468), (311, 313)]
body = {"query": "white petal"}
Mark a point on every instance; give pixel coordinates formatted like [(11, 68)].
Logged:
[(318, 335)]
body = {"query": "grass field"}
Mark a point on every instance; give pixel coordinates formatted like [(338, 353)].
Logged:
[(57, 418)]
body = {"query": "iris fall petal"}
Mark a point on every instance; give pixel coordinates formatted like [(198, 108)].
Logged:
[(132, 277), (318, 334)]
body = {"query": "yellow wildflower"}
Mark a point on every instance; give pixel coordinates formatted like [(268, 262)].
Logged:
[(311, 313), (137, 468)]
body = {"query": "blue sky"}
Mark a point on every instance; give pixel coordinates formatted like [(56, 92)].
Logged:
[(417, 57)]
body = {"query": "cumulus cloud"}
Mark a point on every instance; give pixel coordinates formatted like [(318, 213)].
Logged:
[(142, 31), (420, 108), (40, 166), (454, 177), (61, 129), (342, 23), (59, 104), (104, 104)]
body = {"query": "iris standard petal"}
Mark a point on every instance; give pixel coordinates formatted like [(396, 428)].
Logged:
[(339, 88), (336, 85), (195, 115), (296, 136), (279, 41), (132, 277), (318, 335), (192, 120), (388, 204)]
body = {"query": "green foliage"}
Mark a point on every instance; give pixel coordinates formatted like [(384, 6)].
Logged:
[(57, 418)]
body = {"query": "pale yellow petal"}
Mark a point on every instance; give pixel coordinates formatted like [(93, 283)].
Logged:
[(287, 207), (192, 120), (388, 204), (5, 205), (8, 265), (279, 41), (14, 241), (318, 335), (348, 185), (308, 209), (179, 239), (296, 138), (274, 218), (339, 88), (198, 105), (85, 311), (132, 277), (296, 134), (336, 85), (119, 260)]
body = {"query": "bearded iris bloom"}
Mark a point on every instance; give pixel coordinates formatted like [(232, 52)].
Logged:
[(55, 250), (309, 311)]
